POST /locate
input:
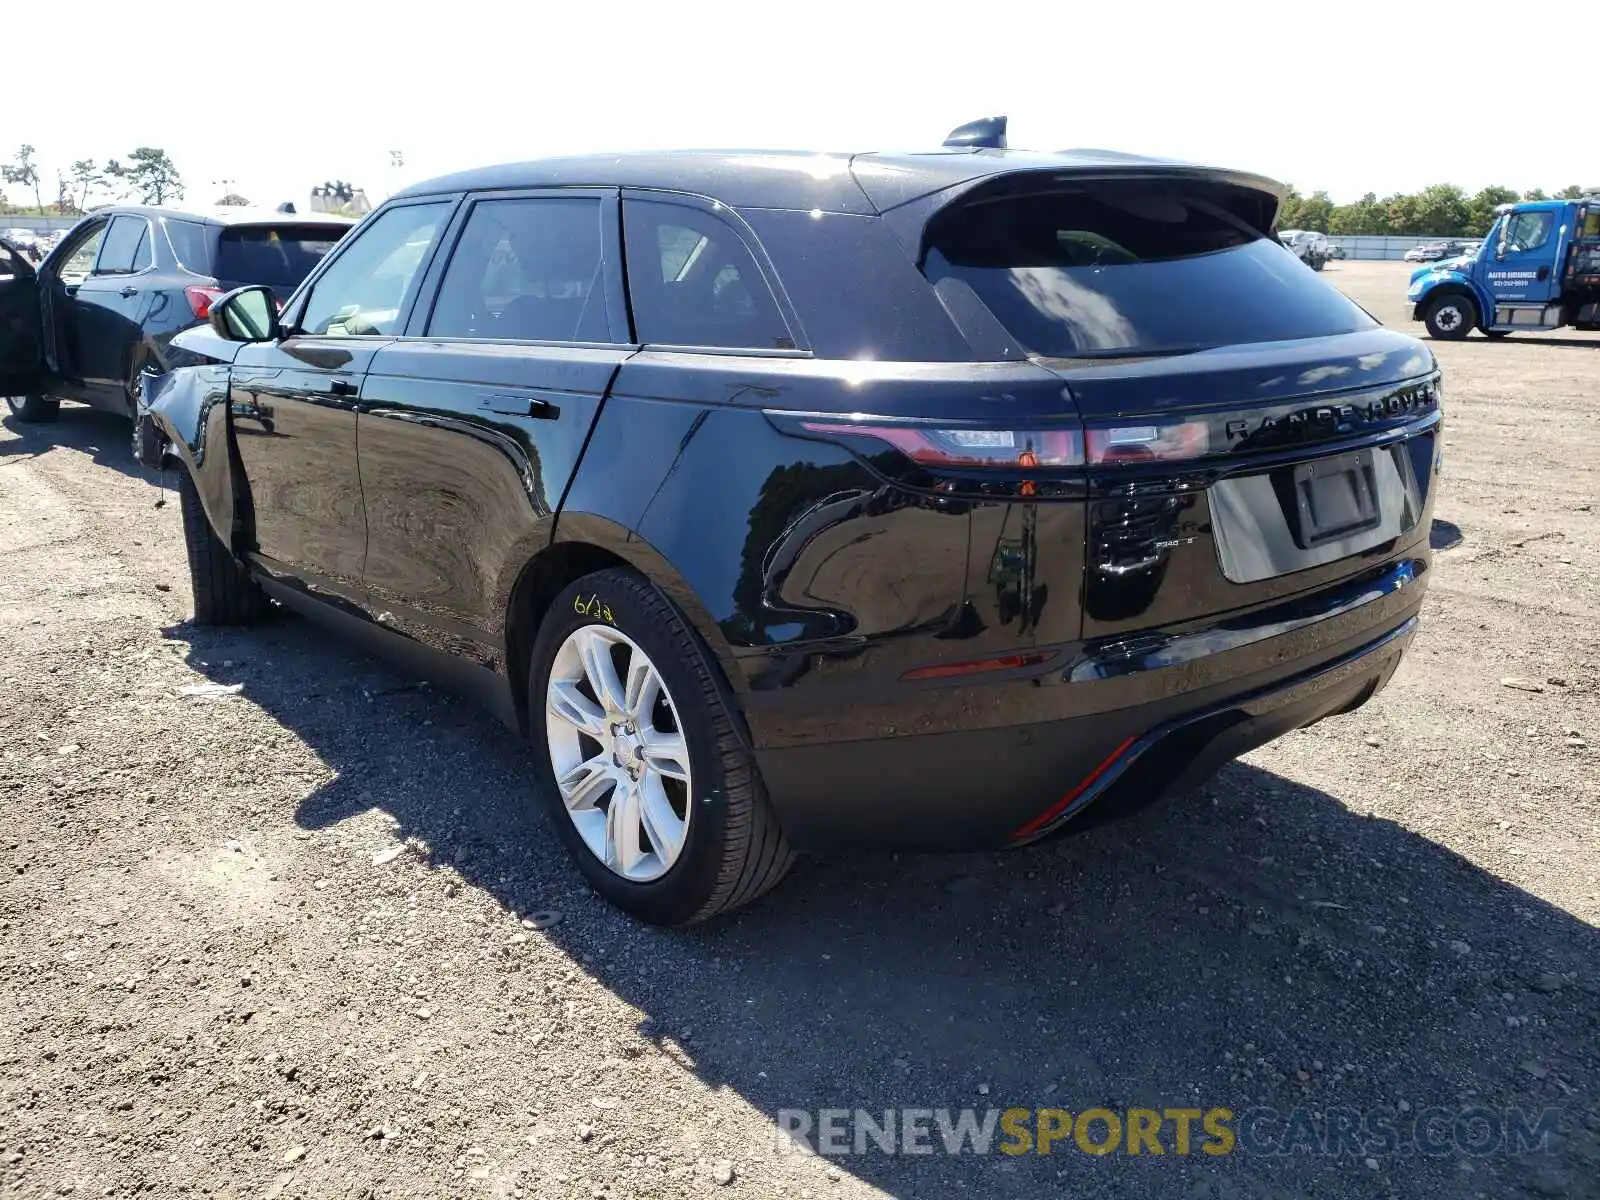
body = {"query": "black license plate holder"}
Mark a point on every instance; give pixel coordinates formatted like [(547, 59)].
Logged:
[(1335, 498)]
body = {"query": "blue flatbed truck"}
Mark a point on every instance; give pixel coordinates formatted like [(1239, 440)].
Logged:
[(1538, 269)]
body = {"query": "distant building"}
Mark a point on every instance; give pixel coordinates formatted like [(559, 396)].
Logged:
[(339, 196)]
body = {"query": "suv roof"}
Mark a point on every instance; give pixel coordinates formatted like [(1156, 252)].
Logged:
[(865, 182)]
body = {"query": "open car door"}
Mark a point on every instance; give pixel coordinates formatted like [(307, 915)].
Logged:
[(23, 371)]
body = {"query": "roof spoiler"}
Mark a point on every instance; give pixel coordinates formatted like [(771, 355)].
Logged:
[(987, 133)]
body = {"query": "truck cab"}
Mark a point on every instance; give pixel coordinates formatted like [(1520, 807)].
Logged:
[(1538, 269)]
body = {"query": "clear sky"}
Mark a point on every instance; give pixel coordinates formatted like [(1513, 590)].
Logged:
[(278, 95)]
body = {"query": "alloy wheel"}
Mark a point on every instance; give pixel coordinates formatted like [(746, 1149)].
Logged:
[(620, 758)]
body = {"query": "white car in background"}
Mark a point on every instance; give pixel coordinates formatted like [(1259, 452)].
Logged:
[(1309, 246)]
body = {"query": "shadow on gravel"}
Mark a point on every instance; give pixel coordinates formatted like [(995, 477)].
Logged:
[(1254, 943), (1568, 343), (104, 437)]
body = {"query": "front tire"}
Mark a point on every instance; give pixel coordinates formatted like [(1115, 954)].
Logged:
[(33, 410), (224, 593), (1451, 317), (639, 760)]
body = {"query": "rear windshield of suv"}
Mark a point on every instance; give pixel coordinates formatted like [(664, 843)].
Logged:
[(1115, 270), (279, 256)]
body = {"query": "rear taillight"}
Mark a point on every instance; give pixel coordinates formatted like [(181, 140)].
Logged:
[(201, 299), (1148, 443), (932, 446)]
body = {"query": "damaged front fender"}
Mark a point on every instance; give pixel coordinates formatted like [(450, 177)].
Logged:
[(188, 410)]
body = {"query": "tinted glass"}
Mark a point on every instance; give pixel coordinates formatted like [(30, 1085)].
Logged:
[(693, 282), (365, 290), (142, 257), (192, 244), (527, 270), (279, 256), (121, 250), (80, 259), (1129, 269)]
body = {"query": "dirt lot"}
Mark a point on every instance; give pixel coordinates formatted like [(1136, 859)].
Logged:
[(219, 981)]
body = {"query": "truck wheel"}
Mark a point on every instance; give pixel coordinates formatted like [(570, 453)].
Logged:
[(1496, 333), (1318, 262), (1451, 316), (224, 593), (638, 759), (33, 409)]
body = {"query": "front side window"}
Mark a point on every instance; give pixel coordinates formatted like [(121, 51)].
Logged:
[(1528, 230), (364, 291), (1112, 270), (80, 261), (126, 248), (526, 270), (693, 282)]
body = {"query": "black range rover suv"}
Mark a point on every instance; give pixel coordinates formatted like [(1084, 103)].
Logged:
[(789, 499)]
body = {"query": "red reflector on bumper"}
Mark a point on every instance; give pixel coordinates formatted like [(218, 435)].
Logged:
[(1061, 805), (1009, 662)]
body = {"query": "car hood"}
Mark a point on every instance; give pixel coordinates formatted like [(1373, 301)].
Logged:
[(1460, 265)]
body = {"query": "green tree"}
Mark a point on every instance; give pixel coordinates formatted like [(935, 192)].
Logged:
[(1316, 211), (1289, 210), (153, 176), (22, 171), (115, 178), (86, 176), (1570, 192), (1365, 216), (1535, 194), (1441, 209), (1400, 214), (1480, 209)]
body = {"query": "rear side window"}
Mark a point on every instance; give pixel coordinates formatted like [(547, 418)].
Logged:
[(526, 270), (192, 243), (126, 248), (1124, 269), (693, 282), (279, 256)]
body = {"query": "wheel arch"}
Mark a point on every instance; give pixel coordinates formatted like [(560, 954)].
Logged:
[(584, 543)]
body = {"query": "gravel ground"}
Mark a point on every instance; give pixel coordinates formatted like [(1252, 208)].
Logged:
[(311, 939)]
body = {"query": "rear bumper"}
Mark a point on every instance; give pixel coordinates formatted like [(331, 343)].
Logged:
[(1130, 719)]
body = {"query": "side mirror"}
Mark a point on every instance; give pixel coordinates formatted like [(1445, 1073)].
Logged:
[(247, 314)]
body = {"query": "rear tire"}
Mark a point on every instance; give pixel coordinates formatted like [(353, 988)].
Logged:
[(725, 848), (224, 593), (1496, 333), (33, 410), (1451, 317)]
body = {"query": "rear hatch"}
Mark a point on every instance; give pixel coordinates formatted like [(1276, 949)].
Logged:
[(1248, 432), (278, 254)]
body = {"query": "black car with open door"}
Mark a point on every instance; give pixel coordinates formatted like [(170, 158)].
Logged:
[(99, 313)]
